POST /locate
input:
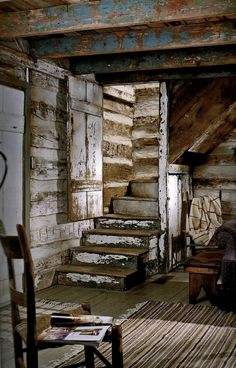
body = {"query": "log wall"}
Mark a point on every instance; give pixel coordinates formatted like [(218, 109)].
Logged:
[(217, 174), (117, 143), (51, 233), (145, 135)]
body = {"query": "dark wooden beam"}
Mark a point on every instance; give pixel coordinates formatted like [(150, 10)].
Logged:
[(168, 59), (102, 14), (165, 75), (155, 38)]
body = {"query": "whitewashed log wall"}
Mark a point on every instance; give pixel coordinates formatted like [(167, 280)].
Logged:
[(145, 135), (219, 174), (51, 233), (117, 143)]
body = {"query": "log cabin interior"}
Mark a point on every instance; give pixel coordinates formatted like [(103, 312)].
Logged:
[(114, 115)]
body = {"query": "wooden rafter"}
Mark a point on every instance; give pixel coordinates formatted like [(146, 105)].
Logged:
[(155, 38), (168, 74), (108, 14), (167, 59)]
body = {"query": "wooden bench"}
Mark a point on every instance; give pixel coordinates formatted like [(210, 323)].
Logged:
[(204, 271)]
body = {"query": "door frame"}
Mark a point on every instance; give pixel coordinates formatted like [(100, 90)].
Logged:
[(24, 86)]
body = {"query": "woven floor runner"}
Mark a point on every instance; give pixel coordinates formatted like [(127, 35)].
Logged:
[(170, 335)]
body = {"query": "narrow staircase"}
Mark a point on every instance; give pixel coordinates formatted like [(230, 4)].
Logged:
[(116, 253)]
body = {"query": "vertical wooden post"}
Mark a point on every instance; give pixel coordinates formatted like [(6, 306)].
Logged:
[(163, 176), (117, 347)]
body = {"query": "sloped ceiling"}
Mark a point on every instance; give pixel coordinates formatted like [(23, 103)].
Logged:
[(202, 114)]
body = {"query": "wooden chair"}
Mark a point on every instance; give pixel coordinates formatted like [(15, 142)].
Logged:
[(25, 332)]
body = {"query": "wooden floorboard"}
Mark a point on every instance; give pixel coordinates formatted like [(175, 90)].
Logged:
[(169, 287), (172, 287)]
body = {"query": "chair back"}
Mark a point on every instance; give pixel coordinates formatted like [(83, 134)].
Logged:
[(15, 248)]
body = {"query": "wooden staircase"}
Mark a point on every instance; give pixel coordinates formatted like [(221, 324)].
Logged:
[(116, 254)]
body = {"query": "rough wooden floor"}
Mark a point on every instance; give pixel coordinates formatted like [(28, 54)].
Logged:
[(169, 287)]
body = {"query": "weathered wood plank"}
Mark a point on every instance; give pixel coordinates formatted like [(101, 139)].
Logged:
[(220, 129), (144, 76), (114, 192), (118, 171), (119, 94), (206, 107), (47, 134), (119, 107), (106, 14), (155, 60), (115, 128), (164, 37), (117, 150)]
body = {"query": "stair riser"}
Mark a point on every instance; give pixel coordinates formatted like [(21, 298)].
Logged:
[(103, 282), (113, 260), (102, 223), (146, 190), (116, 241), (135, 208)]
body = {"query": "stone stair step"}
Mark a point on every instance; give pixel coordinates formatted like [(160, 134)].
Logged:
[(99, 276), (119, 221), (115, 257), (136, 206), (147, 188), (120, 237)]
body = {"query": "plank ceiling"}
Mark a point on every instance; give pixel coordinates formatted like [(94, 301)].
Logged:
[(158, 36), (126, 41)]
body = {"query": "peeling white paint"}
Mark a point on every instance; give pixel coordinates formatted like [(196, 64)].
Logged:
[(118, 139), (152, 254), (117, 160), (75, 277), (98, 258), (114, 240), (117, 118)]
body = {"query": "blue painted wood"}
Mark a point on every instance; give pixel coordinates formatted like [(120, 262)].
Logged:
[(108, 14), (165, 37), (167, 59)]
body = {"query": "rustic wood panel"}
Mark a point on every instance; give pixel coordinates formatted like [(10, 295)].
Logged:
[(116, 128), (48, 134), (145, 134), (206, 108), (117, 144), (146, 39), (64, 18), (111, 149), (118, 106), (118, 172)]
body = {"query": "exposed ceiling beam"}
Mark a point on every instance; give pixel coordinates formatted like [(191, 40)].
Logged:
[(168, 59), (108, 14), (165, 37), (170, 74)]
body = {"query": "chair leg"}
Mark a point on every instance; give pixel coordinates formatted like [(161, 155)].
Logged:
[(18, 351)]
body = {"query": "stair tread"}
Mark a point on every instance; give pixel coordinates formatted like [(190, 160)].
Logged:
[(111, 250), (127, 217), (122, 232), (101, 270), (131, 198)]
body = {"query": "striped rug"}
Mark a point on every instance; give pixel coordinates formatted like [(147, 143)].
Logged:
[(171, 335)]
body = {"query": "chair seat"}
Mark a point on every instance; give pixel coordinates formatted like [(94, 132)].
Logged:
[(43, 322)]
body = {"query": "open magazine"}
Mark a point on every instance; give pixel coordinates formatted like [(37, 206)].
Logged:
[(84, 335)]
